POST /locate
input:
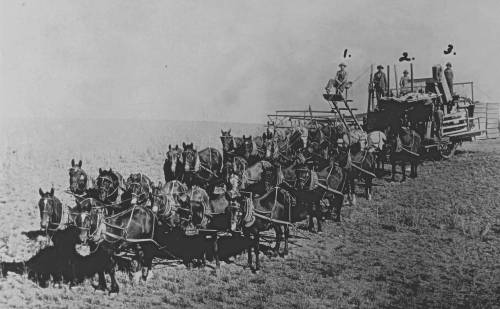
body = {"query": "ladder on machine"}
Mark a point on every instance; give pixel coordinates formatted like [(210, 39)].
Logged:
[(344, 111)]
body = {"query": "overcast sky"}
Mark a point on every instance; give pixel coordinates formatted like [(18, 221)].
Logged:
[(225, 60)]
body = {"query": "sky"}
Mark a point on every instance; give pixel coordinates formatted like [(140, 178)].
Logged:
[(226, 60)]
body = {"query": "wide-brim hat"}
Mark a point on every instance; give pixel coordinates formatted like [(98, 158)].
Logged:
[(342, 64), (380, 66)]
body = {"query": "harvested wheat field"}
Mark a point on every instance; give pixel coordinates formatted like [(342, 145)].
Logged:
[(431, 242)]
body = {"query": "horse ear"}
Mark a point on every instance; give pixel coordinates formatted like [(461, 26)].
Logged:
[(169, 147), (80, 163), (72, 162), (52, 192), (184, 145), (100, 171), (221, 132), (229, 132), (40, 191), (243, 136), (250, 137)]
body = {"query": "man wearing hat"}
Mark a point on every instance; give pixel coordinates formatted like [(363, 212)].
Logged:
[(340, 81), (448, 74), (379, 82), (404, 83)]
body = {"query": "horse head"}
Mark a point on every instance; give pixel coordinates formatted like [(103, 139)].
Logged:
[(107, 184), (174, 157), (303, 176), (227, 141), (83, 222), (190, 157), (50, 209), (247, 146), (78, 179)]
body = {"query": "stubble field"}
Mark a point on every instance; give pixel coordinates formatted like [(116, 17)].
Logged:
[(431, 242)]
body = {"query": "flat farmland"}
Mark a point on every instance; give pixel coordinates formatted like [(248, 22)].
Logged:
[(431, 242)]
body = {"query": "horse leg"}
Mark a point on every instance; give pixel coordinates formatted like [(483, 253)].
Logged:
[(216, 251), (318, 217), (337, 202), (413, 173), (403, 171), (147, 261), (249, 250), (256, 250), (311, 218), (279, 236), (114, 285), (102, 282), (287, 235), (393, 171), (353, 190)]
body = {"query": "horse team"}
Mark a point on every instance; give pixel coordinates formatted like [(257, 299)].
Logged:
[(256, 184)]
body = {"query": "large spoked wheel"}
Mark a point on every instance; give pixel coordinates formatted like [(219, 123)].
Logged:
[(447, 150)]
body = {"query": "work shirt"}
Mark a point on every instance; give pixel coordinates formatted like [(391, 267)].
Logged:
[(380, 81), (404, 82), (448, 74)]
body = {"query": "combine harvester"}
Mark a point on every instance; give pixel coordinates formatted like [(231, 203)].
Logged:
[(443, 120)]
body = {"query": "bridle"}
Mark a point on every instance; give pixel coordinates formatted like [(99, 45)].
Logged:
[(80, 177), (50, 213), (108, 180), (140, 186)]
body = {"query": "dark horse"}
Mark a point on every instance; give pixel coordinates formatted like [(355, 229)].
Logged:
[(272, 210), (404, 146), (307, 194), (139, 187), (201, 167), (231, 146), (51, 212), (173, 168), (363, 163), (110, 185), (134, 228), (79, 181)]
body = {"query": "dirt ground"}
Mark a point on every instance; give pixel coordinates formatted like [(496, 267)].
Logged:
[(430, 242)]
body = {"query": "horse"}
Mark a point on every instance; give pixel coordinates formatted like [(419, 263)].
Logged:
[(257, 148), (257, 178), (165, 202), (404, 146), (315, 139), (272, 210), (88, 214), (223, 208), (332, 179), (138, 186), (231, 146), (363, 164), (110, 185), (308, 194), (173, 168), (201, 167), (285, 148), (196, 211), (134, 228), (236, 166), (376, 143), (79, 181), (51, 212)]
